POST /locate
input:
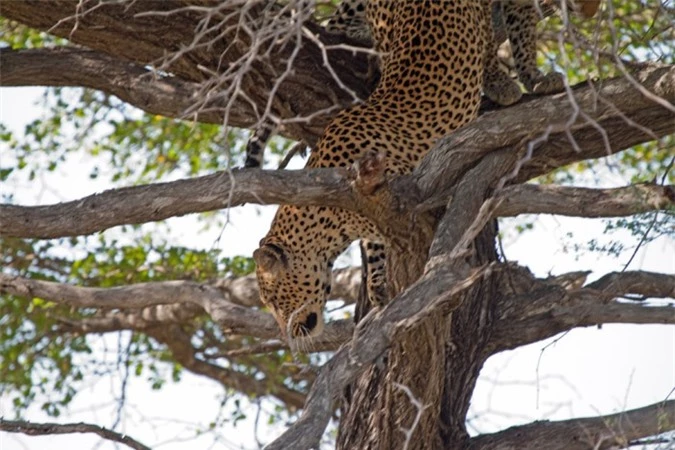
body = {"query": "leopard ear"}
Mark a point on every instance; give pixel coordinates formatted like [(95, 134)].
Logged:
[(271, 258)]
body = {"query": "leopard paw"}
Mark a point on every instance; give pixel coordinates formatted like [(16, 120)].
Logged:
[(501, 89)]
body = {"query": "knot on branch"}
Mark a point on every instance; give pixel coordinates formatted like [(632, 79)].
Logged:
[(369, 172)]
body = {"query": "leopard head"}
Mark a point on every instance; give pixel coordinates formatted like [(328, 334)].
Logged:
[(294, 287)]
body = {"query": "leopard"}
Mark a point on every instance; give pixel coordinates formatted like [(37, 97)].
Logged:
[(433, 59), (514, 20), (436, 57)]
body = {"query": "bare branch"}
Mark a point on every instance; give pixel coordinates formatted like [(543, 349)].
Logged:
[(132, 83), (223, 46), (603, 432), (584, 202), (38, 429), (646, 284), (179, 342), (97, 212), (541, 309), (156, 305)]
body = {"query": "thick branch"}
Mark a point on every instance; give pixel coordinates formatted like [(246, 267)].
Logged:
[(552, 131), (603, 432), (584, 202), (430, 184), (166, 295), (327, 187), (37, 429), (132, 83), (373, 335)]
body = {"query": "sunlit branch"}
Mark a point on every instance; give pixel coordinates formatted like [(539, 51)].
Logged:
[(429, 184), (602, 432), (38, 429), (234, 317)]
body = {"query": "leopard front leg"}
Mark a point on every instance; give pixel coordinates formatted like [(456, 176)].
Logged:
[(497, 85), (521, 26)]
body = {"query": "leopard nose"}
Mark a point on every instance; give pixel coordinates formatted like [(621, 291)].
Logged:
[(306, 327)]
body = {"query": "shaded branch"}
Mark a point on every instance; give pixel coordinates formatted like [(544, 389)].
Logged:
[(132, 83), (180, 344), (584, 202), (602, 432), (646, 284), (38, 429), (198, 43)]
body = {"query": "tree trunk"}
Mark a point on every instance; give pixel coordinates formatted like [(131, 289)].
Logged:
[(437, 363)]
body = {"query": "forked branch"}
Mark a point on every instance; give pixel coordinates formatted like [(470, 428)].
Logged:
[(146, 305), (540, 308)]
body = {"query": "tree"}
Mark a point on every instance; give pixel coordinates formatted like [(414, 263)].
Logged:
[(236, 65)]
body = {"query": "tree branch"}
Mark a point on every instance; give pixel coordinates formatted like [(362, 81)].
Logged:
[(584, 202), (603, 432), (212, 43), (179, 342), (328, 187), (149, 305), (132, 83), (646, 284), (551, 131), (373, 335), (37, 429), (428, 187), (540, 309)]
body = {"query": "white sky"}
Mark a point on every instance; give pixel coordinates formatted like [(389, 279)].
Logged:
[(586, 372)]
